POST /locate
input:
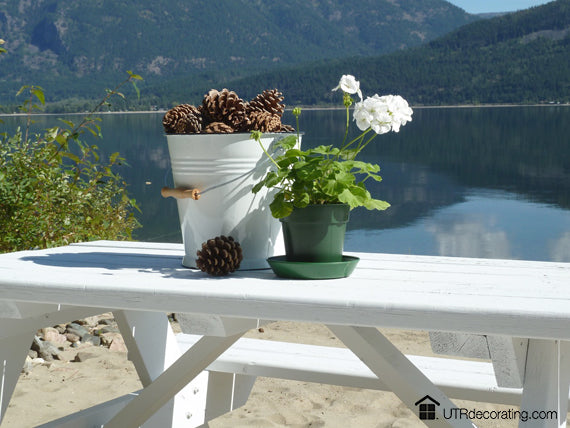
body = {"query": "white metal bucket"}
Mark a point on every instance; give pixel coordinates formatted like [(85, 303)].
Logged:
[(224, 168)]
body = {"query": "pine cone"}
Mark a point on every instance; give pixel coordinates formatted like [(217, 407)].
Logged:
[(269, 101), (182, 119), (224, 106), (218, 128), (287, 128), (219, 256), (264, 122)]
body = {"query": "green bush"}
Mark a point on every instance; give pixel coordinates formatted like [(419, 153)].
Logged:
[(54, 187)]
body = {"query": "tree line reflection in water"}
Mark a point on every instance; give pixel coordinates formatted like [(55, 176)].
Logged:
[(474, 182)]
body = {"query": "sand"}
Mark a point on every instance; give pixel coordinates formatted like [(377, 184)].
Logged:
[(49, 392)]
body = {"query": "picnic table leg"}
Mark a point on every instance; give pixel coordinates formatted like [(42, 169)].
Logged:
[(401, 376), (17, 335), (13, 351), (153, 347), (546, 384), (170, 382)]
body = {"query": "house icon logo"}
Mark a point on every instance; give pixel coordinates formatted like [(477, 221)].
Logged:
[(426, 410)]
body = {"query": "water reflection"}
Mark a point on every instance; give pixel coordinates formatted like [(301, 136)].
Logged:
[(486, 224), (473, 182), (560, 249)]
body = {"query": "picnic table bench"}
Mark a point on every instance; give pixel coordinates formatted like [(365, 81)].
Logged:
[(208, 370)]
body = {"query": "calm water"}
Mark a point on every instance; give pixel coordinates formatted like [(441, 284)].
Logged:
[(473, 182)]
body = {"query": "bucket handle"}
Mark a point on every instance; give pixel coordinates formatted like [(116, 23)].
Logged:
[(180, 193)]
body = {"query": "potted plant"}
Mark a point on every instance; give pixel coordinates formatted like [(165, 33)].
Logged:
[(316, 188), (214, 166)]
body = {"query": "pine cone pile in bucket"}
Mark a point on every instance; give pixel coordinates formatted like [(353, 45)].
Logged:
[(219, 256), (224, 112)]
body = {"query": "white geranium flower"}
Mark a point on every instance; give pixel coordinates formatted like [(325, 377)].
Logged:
[(349, 84), (362, 116), (400, 111), (373, 113)]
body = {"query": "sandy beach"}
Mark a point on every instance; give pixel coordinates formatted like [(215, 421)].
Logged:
[(49, 391)]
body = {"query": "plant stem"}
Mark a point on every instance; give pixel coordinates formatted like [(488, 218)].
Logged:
[(87, 118), (266, 152), (347, 124), (298, 133), (350, 143), (362, 146)]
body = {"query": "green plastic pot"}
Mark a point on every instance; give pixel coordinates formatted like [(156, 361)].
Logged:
[(315, 233)]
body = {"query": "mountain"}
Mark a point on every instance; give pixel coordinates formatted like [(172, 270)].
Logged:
[(522, 57), (74, 49)]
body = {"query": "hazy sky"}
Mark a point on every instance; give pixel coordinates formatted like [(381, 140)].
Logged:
[(481, 6)]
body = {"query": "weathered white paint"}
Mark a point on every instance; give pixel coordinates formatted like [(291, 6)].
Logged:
[(507, 354), (215, 325)]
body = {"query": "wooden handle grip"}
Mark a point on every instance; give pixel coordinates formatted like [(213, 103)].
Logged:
[(180, 193)]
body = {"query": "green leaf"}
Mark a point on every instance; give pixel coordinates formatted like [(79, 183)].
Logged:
[(68, 123), (22, 89), (325, 150), (134, 76), (344, 177), (39, 93), (302, 200), (354, 196), (376, 204), (62, 141), (298, 165), (272, 179), (258, 186), (294, 155), (255, 135), (375, 177), (287, 143), (331, 187), (71, 156), (279, 207)]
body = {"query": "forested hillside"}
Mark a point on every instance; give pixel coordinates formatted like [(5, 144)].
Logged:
[(74, 49), (522, 57)]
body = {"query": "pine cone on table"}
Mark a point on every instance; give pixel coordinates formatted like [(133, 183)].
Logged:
[(219, 256), (182, 119), (269, 101)]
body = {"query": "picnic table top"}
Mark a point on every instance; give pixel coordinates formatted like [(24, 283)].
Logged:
[(486, 296)]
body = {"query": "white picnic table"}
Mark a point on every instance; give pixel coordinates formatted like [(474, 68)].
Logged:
[(209, 370)]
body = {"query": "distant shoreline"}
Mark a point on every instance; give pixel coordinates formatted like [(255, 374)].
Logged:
[(303, 108)]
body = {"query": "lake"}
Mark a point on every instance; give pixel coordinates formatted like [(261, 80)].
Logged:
[(490, 182)]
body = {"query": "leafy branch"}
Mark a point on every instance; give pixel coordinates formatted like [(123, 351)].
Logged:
[(54, 188)]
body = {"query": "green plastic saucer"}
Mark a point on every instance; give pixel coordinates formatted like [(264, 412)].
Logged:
[(312, 270)]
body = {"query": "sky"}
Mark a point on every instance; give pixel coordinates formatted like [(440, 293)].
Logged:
[(483, 6)]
